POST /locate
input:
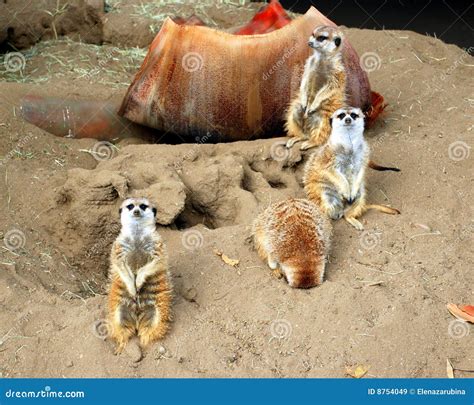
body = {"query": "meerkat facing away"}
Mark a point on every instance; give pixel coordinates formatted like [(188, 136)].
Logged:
[(294, 236), (334, 176), (140, 289), (322, 90)]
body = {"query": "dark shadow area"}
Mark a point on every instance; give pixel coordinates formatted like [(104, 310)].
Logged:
[(450, 20)]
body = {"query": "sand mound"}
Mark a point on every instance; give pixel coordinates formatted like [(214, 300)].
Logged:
[(214, 185)]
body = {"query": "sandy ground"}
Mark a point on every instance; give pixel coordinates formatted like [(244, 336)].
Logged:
[(383, 304)]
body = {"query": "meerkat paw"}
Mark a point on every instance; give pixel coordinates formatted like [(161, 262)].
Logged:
[(292, 141), (333, 211), (335, 215), (277, 273), (355, 223), (307, 145), (150, 335), (273, 264), (119, 348), (145, 341)]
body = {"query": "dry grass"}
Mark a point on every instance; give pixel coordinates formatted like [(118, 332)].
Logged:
[(158, 11), (67, 59), (64, 59)]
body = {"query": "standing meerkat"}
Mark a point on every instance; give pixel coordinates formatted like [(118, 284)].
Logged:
[(334, 176), (322, 90), (294, 236), (140, 289)]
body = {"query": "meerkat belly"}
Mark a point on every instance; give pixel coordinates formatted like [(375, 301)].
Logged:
[(344, 167), (349, 166), (316, 82), (138, 258)]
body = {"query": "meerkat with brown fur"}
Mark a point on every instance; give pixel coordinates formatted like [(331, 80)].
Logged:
[(322, 90), (140, 289), (294, 237), (334, 176)]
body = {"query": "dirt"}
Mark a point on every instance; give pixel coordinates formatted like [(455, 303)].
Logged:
[(128, 23), (383, 304)]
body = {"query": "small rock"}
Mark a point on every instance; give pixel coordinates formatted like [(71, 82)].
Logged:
[(134, 351), (170, 198), (190, 294), (70, 364), (162, 350)]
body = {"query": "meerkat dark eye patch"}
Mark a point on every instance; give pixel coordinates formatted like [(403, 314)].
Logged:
[(143, 207), (337, 41), (130, 207), (321, 38), (341, 116), (354, 116)]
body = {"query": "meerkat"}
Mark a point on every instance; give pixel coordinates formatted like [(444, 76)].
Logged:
[(334, 176), (322, 90), (294, 237), (140, 283)]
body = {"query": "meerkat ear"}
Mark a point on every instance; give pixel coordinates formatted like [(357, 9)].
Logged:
[(154, 211), (330, 122), (337, 41), (120, 211)]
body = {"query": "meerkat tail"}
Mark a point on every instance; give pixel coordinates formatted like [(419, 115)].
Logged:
[(379, 168), (383, 208)]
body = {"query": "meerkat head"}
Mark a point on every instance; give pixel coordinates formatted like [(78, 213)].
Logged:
[(137, 212), (348, 120), (326, 39)]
